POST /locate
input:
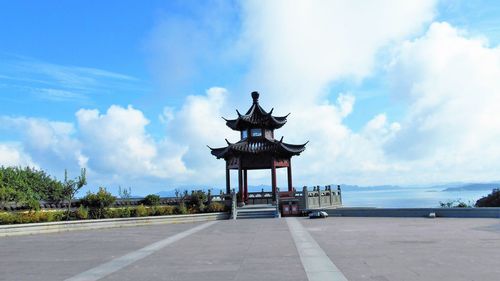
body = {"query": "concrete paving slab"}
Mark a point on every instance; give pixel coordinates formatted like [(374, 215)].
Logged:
[(410, 248), (114, 265), (58, 256), (263, 249), (230, 250)]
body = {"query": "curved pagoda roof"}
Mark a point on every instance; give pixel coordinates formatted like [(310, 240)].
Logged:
[(258, 146), (256, 117)]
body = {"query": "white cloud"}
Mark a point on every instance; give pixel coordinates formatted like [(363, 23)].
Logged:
[(198, 124), (13, 155), (451, 131), (51, 144), (115, 147), (299, 50), (300, 47), (117, 142)]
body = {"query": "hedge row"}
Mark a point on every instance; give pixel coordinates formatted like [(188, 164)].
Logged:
[(84, 213)]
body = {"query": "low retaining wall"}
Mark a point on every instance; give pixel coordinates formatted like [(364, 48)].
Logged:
[(49, 227), (416, 212)]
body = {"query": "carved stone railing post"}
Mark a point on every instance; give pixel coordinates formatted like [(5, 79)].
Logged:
[(319, 196), (278, 214), (234, 211), (339, 192), (305, 197), (332, 195)]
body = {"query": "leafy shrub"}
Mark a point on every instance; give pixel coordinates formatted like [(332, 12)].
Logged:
[(166, 210), (140, 211), (82, 213), (125, 212), (491, 200), (151, 211), (29, 217), (111, 213), (181, 209), (98, 202), (7, 218), (454, 204), (151, 200), (196, 201), (215, 207), (54, 215)]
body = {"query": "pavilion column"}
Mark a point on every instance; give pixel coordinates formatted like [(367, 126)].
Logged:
[(228, 180), (289, 174), (273, 179), (240, 182), (245, 184)]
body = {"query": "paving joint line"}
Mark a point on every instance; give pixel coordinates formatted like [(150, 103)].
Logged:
[(119, 263), (315, 261)]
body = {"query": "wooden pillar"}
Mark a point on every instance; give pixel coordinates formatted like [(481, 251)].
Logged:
[(273, 179), (240, 182), (228, 180), (245, 185), (289, 174)]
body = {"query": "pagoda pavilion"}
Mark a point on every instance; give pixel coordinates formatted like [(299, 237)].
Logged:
[(257, 148)]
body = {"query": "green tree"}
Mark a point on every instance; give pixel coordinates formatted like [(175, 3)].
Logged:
[(71, 188), (125, 194), (491, 200), (28, 186), (198, 199), (151, 200)]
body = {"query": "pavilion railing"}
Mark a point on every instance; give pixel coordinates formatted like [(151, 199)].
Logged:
[(308, 198), (320, 197), (263, 197)]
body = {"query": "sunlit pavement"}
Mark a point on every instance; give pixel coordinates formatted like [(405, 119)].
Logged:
[(264, 249)]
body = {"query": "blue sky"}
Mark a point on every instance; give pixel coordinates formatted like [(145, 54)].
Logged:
[(134, 91)]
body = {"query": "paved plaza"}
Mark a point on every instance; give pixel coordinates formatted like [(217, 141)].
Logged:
[(264, 249)]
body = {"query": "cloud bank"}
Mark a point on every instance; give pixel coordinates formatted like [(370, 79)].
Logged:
[(445, 80)]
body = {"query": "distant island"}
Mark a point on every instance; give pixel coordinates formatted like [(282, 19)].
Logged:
[(473, 187)]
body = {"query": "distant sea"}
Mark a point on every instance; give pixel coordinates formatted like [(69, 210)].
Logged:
[(388, 196), (407, 197)]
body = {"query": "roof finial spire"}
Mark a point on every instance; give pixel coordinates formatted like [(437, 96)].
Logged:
[(255, 97)]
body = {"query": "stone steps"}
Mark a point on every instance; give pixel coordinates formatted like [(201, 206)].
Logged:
[(256, 212)]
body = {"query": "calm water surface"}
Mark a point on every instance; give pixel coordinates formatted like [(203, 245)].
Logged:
[(407, 197)]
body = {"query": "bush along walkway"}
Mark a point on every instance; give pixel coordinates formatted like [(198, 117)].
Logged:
[(99, 205), (84, 213)]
